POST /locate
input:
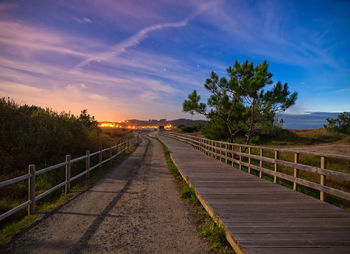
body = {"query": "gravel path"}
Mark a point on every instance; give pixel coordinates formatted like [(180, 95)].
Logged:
[(135, 208)]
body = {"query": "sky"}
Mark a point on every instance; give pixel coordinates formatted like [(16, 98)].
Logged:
[(131, 59)]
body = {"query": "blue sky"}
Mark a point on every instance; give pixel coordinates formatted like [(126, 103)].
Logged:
[(140, 59)]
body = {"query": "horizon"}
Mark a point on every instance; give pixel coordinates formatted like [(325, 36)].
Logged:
[(309, 120), (136, 60)]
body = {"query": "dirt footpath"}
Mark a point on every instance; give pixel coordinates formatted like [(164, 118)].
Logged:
[(134, 209)]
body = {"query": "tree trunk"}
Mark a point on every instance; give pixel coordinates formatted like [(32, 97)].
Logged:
[(250, 130)]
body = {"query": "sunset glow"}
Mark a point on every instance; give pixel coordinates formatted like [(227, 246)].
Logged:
[(139, 59), (126, 126)]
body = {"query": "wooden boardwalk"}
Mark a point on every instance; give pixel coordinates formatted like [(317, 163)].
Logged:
[(260, 216)]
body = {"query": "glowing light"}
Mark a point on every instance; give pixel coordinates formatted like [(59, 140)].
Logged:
[(106, 125), (123, 125)]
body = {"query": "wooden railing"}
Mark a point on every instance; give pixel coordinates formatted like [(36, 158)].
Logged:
[(32, 174), (231, 152)]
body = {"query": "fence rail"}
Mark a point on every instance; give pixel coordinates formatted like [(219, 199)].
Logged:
[(32, 173), (226, 151)]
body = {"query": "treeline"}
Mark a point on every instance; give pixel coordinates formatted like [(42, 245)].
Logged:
[(31, 134)]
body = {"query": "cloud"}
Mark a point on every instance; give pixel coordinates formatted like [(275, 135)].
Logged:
[(19, 39), (261, 31), (7, 6), (70, 98), (84, 20), (121, 47)]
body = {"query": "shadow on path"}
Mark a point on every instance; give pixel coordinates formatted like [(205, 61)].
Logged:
[(83, 241)]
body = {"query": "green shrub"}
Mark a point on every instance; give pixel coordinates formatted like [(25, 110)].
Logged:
[(30, 134), (340, 124), (190, 128), (188, 193)]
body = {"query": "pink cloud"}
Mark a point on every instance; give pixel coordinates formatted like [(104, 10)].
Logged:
[(7, 6)]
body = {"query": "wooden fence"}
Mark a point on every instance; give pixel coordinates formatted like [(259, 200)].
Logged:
[(33, 173), (234, 153)]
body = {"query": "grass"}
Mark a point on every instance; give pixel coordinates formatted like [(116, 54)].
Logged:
[(209, 230), (19, 221), (289, 137)]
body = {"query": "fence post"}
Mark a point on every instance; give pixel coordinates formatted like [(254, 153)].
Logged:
[(67, 185), (31, 189), (226, 153), (212, 149), (207, 147), (323, 177), (296, 171), (100, 158), (110, 156), (275, 167), (261, 162), (87, 163), (240, 157), (249, 160), (232, 155)]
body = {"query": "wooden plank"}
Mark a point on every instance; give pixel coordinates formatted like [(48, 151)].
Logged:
[(259, 216), (68, 172), (295, 170), (14, 180), (31, 189)]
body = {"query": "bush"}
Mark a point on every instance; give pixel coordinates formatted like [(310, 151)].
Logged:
[(340, 124), (215, 129), (190, 128), (30, 134)]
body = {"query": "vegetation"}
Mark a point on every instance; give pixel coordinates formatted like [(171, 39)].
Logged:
[(209, 229), (54, 201), (30, 134), (240, 105), (298, 137), (190, 128), (340, 124)]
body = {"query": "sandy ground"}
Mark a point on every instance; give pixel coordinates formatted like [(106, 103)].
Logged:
[(134, 209)]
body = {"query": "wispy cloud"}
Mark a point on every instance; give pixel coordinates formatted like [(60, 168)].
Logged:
[(262, 31), (84, 20), (96, 51), (17, 38), (121, 47), (70, 98), (7, 6)]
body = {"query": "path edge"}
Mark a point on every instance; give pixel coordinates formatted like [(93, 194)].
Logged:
[(230, 238)]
